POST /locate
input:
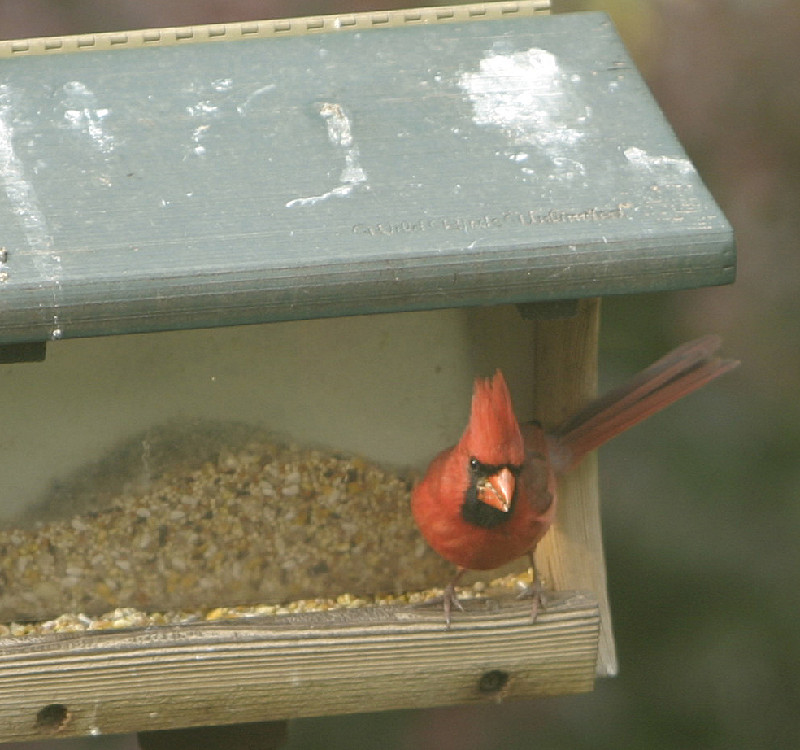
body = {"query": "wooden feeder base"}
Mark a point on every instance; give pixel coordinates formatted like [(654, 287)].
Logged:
[(369, 659)]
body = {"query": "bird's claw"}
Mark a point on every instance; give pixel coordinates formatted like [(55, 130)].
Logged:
[(450, 600), (447, 600), (536, 592)]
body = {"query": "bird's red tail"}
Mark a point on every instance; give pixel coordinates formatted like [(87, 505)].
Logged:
[(672, 377)]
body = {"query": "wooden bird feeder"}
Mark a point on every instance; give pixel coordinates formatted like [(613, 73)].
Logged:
[(204, 522)]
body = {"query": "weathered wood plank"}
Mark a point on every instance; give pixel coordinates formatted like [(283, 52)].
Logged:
[(304, 665), (571, 555)]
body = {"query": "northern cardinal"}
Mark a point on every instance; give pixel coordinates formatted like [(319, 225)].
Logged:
[(490, 498)]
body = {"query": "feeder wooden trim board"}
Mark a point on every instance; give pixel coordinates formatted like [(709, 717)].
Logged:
[(359, 660), (571, 554), (280, 27)]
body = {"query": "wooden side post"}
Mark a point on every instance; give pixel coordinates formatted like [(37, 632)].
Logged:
[(571, 555)]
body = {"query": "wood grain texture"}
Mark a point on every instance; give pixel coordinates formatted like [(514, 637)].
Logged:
[(571, 555), (306, 665)]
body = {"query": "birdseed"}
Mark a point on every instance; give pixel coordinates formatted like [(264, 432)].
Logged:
[(128, 617), (212, 521)]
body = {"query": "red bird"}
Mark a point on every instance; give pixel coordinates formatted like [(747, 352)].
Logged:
[(489, 499)]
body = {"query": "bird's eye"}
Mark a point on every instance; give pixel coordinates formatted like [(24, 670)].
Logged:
[(474, 463)]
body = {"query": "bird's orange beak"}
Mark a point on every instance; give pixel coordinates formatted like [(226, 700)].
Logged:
[(498, 490)]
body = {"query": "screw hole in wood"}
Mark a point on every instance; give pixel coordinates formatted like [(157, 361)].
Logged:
[(493, 681), (54, 716)]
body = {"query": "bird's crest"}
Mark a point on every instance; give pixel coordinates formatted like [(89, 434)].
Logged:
[(493, 435)]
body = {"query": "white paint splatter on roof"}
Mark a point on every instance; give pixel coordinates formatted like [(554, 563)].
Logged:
[(640, 158), (529, 97), (24, 203), (82, 114), (341, 136)]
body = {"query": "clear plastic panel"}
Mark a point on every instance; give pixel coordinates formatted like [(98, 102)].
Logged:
[(230, 467)]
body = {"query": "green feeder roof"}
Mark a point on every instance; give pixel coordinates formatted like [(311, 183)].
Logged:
[(358, 171)]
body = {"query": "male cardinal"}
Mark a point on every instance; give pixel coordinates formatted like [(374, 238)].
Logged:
[(490, 498)]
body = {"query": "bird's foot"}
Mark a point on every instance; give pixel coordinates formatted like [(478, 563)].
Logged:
[(536, 592), (450, 600)]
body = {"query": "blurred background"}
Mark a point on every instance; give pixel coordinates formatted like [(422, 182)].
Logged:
[(701, 505)]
